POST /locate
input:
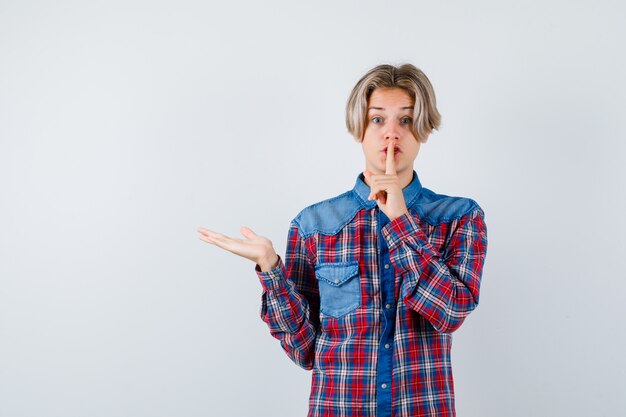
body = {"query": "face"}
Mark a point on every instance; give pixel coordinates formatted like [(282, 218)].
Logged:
[(389, 118)]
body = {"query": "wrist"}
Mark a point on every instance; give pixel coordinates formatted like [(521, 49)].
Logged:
[(400, 214), (268, 263)]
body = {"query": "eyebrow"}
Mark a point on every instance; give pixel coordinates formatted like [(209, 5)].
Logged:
[(382, 108)]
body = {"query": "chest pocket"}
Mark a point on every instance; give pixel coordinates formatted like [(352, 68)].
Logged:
[(340, 288)]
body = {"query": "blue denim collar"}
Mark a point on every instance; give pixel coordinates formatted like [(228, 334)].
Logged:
[(411, 192)]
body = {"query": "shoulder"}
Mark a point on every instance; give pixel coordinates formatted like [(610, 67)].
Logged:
[(328, 216), (437, 208)]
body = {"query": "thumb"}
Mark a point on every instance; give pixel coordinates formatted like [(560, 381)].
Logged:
[(247, 233)]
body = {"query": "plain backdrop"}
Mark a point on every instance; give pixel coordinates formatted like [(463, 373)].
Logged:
[(126, 125)]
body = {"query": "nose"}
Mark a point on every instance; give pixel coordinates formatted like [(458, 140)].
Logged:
[(392, 133)]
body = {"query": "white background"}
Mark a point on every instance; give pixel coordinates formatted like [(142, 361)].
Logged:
[(125, 125)]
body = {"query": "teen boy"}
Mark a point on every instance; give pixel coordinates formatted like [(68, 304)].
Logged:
[(375, 280)]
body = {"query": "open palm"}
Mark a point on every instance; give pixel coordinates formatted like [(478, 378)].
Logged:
[(257, 248)]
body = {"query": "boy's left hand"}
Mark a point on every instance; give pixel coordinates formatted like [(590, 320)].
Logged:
[(385, 188)]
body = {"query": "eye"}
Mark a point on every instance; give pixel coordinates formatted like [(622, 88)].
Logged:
[(377, 119), (406, 120)]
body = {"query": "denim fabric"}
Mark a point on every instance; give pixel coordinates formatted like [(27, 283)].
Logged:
[(328, 217), (339, 287), (369, 304)]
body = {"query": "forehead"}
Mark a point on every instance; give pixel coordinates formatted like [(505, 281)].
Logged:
[(390, 98)]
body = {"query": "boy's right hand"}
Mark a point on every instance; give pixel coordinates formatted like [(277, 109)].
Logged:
[(257, 248)]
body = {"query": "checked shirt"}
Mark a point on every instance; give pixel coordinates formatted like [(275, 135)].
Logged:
[(369, 305)]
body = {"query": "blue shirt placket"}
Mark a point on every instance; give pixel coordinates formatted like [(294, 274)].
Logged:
[(388, 313)]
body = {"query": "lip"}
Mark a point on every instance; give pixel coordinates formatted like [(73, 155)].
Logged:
[(396, 150)]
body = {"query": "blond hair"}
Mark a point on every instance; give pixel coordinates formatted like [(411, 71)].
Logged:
[(407, 77)]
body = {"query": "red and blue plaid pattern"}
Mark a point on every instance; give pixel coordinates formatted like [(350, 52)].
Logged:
[(391, 355)]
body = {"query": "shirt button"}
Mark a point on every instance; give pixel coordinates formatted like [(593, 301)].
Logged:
[(387, 306), (336, 281), (387, 345), (383, 386), (386, 266)]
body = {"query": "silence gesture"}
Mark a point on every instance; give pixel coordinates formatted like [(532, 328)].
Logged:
[(385, 188)]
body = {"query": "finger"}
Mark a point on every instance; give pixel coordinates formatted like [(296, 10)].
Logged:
[(385, 184), (374, 182), (375, 194), (247, 232), (205, 232), (378, 184), (219, 239), (204, 236), (224, 242), (380, 196), (383, 178), (390, 166), (210, 233)]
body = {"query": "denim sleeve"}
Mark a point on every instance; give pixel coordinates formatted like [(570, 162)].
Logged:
[(443, 291), (290, 301)]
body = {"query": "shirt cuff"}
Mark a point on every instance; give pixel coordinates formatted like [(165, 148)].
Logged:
[(273, 278), (404, 229)]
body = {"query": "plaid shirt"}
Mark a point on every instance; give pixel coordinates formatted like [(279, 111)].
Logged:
[(369, 305)]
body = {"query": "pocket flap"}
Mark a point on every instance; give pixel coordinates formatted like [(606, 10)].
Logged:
[(337, 273)]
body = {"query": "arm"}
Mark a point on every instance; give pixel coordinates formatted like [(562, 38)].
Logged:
[(443, 292), (290, 301)]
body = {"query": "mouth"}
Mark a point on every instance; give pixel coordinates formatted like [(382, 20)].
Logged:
[(396, 150)]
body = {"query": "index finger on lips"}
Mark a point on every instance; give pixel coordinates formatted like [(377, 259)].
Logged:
[(390, 166)]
